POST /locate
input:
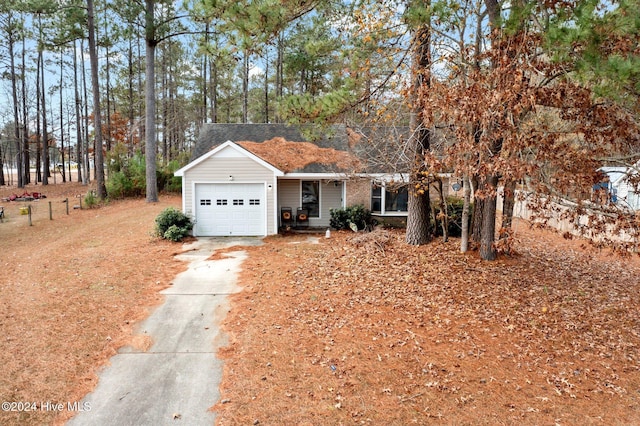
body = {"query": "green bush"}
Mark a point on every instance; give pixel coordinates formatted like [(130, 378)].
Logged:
[(358, 215), (127, 177), (166, 180), (90, 200), (127, 174), (173, 233), (172, 224), (118, 185)]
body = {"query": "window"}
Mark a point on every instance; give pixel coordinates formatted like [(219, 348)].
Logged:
[(238, 202), (205, 202), (392, 199), (376, 199), (396, 200), (253, 202), (311, 197), (221, 202)]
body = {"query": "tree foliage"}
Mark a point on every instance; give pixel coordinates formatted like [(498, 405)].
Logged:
[(518, 115), (534, 96)]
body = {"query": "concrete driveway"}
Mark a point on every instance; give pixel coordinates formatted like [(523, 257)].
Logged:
[(177, 380)]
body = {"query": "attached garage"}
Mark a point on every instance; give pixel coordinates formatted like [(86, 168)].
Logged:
[(230, 192), (230, 209)]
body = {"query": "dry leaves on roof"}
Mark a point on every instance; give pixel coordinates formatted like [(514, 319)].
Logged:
[(293, 156)]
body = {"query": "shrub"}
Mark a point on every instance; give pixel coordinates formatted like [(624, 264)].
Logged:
[(118, 186), (127, 177), (358, 215), (127, 174), (172, 224), (90, 200), (173, 233), (166, 180)]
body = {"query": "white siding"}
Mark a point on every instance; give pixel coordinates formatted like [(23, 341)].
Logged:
[(331, 196), (217, 169), (289, 194)]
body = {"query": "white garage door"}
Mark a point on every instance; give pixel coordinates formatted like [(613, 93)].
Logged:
[(225, 209)]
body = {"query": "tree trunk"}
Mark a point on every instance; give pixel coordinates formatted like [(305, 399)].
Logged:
[(101, 191), (39, 98), (131, 101), (487, 237), (279, 72), (150, 102), (490, 184), (245, 87), (107, 65), (45, 133), (478, 208), (62, 162), (205, 81), (464, 239), (508, 204), (214, 91), (419, 212), (16, 118), (87, 164), (2, 180), (26, 158), (418, 217), (164, 100), (78, 102), (266, 87), (444, 220)]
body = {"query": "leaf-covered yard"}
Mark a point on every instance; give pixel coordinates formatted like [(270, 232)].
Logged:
[(356, 329), (72, 289), (367, 330)]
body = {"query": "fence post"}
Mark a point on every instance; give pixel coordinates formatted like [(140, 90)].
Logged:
[(66, 200), (29, 212), (50, 212)]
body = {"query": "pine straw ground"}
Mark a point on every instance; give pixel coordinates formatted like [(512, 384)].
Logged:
[(355, 329), (366, 330), (71, 290)]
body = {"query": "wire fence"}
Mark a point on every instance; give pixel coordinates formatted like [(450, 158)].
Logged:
[(30, 211)]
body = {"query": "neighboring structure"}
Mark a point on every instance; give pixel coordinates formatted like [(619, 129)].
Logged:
[(253, 179), (619, 186)]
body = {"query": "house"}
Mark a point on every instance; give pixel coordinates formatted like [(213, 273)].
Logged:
[(621, 186), (253, 179)]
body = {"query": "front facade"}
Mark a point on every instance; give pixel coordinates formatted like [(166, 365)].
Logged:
[(252, 180), (232, 192)]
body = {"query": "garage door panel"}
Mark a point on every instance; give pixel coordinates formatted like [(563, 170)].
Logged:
[(230, 209)]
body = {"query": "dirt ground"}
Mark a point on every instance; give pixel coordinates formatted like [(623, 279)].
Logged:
[(355, 329), (72, 289)]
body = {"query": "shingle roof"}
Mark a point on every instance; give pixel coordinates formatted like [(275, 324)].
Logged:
[(377, 148), (334, 139)]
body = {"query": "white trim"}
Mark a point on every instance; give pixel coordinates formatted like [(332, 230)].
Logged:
[(315, 176), (395, 177), (276, 215), (383, 201), (238, 148), (319, 197)]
